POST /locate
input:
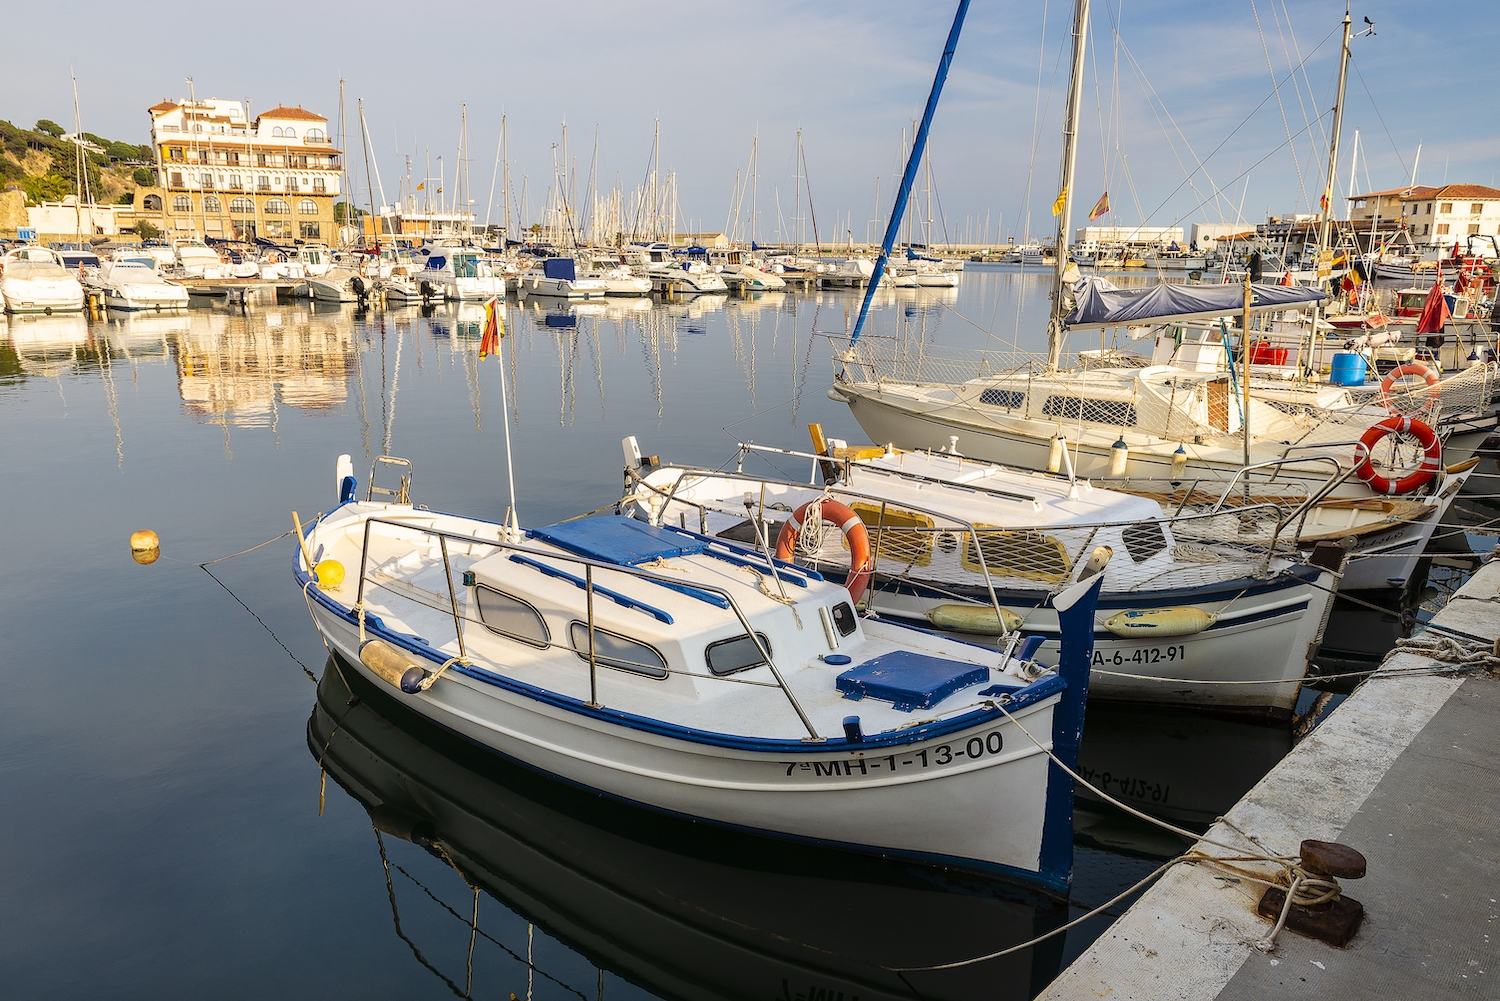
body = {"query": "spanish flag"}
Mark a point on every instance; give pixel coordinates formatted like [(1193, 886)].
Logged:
[(494, 329), (1100, 207), (421, 186), (1062, 198)]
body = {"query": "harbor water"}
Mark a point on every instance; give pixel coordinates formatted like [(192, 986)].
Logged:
[(197, 800)]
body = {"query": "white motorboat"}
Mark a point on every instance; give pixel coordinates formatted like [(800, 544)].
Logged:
[(854, 272), (684, 273), (33, 280), (1196, 610), (129, 280), (193, 258), (333, 285), (924, 275), (558, 278), (694, 676), (618, 279), (457, 272)]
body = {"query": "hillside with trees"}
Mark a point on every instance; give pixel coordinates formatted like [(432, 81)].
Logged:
[(44, 165)]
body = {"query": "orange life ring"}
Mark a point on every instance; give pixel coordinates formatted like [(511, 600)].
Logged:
[(860, 565), (1434, 389), (1432, 455)]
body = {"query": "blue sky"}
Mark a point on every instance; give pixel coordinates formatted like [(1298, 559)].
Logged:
[(850, 75)]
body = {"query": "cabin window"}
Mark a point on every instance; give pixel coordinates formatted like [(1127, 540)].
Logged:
[(1143, 540), (1026, 554), (242, 206), (307, 207), (278, 206), (1011, 399), (211, 203), (614, 650), (311, 231), (737, 654), (1074, 408), (151, 203), (843, 618), (510, 616), (182, 203)]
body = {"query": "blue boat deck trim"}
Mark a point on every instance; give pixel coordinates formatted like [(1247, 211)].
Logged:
[(791, 577), (581, 584)]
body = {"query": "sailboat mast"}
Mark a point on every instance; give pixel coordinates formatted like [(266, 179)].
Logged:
[(1069, 166), (1333, 145), (364, 138)]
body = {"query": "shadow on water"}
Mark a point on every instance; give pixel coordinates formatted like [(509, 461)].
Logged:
[(681, 909)]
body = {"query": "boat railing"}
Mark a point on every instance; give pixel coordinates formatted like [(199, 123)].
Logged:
[(589, 588)]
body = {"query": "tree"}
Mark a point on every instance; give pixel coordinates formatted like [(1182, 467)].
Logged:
[(65, 165), (341, 212), (45, 188), (49, 127), (146, 231), (144, 176), (128, 198)]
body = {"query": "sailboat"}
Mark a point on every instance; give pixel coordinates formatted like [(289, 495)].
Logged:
[(1116, 417)]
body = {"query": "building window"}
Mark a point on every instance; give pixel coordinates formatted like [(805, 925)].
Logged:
[(211, 204), (278, 229), (176, 178), (290, 132), (182, 203), (234, 182), (1475, 208), (291, 184), (276, 132), (206, 179), (151, 203), (260, 159), (1424, 230), (242, 206), (307, 207), (1442, 229), (1429, 208), (319, 184), (1445, 208), (263, 183), (312, 231), (1473, 231), (175, 153), (314, 134), (277, 206)]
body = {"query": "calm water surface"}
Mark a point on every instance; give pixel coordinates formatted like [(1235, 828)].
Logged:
[(168, 825)]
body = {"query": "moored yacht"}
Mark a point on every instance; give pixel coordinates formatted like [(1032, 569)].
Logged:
[(558, 278), (33, 280), (129, 280)]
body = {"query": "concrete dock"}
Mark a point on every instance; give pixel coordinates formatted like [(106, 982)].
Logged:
[(1404, 772)]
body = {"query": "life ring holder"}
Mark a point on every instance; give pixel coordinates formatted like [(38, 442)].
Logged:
[(1432, 455), (861, 567), (1434, 388)]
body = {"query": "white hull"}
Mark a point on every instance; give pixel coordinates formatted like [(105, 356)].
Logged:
[(49, 296), (473, 289), (562, 288)]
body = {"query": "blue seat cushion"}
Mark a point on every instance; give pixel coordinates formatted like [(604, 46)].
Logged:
[(910, 680), (615, 539)]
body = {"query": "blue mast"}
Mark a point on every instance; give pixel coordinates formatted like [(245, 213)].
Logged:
[(919, 143)]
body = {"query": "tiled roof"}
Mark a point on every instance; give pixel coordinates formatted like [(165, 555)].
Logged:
[(1420, 191), (162, 108), (1480, 191), (284, 113)]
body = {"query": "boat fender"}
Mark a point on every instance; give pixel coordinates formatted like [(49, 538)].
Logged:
[(1134, 623), (836, 396), (1119, 455), (1432, 455), (1179, 464), (974, 619), (391, 665), (330, 574), (852, 732), (1055, 454), (860, 565), (145, 547), (347, 489)]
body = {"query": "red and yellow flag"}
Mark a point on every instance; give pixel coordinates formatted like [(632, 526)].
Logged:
[(1100, 207), (494, 329)]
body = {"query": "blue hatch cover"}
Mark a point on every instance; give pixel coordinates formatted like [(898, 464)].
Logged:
[(560, 267), (616, 539), (910, 680)]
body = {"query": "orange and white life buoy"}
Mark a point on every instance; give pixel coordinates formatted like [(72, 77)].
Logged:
[(1434, 388), (1432, 455), (860, 564)]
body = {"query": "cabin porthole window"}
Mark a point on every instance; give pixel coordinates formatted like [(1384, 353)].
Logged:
[(614, 650), (511, 617), (738, 653), (843, 618)]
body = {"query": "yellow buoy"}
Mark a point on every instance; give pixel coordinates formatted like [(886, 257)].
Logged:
[(974, 619), (1140, 623), (145, 547), (330, 574)]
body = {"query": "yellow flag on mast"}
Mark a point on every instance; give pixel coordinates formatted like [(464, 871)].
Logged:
[(1062, 199)]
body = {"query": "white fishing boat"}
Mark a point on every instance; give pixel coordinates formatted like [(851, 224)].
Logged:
[(129, 280), (558, 278), (33, 280), (695, 676), (1208, 609), (457, 272)]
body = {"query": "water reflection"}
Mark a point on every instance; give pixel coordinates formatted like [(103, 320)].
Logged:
[(678, 908)]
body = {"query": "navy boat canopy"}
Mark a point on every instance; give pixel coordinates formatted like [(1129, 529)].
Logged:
[(560, 267), (1100, 304)]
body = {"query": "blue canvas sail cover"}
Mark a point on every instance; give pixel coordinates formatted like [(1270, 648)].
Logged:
[(559, 267), (1099, 304)]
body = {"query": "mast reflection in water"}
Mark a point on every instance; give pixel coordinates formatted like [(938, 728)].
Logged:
[(681, 909)]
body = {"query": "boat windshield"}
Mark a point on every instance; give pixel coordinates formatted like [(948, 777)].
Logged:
[(35, 269), (466, 266)]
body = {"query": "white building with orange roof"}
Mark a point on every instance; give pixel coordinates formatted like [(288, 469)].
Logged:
[(221, 174)]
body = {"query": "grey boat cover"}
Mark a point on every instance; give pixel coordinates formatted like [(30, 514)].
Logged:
[(1099, 304)]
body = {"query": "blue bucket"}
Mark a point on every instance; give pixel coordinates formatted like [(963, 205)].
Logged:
[(1348, 369)]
